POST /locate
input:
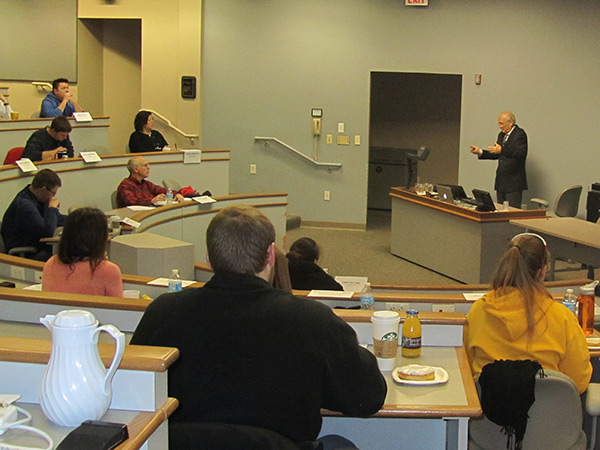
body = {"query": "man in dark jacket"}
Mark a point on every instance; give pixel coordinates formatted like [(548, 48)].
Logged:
[(253, 355), (510, 150), (51, 142)]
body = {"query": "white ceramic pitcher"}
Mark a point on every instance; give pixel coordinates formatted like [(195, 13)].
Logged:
[(76, 386)]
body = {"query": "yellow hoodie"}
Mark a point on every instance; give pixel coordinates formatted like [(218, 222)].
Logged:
[(497, 329)]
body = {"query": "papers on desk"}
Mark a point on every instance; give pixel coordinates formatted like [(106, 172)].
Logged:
[(354, 284), (26, 165), (473, 296), (33, 287), (140, 208), (90, 157), (165, 282), (330, 294), (203, 199)]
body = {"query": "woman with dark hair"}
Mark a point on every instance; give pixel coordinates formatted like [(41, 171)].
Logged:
[(519, 320), (305, 272), (145, 138), (81, 266)]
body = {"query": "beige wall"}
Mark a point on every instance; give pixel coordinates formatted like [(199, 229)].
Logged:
[(170, 49)]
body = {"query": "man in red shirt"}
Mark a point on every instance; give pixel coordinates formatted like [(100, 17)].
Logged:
[(136, 190)]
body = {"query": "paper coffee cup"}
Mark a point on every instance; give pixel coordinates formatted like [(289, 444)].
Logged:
[(14, 115), (385, 338), (131, 293)]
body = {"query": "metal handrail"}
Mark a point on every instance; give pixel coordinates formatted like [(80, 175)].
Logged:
[(191, 137), (299, 153)]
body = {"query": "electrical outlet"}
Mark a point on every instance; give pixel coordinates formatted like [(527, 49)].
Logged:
[(18, 273), (38, 276), (397, 306), (330, 138), (443, 307), (357, 139), (253, 169), (326, 195)]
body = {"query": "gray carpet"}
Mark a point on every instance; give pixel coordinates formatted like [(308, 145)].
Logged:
[(367, 253)]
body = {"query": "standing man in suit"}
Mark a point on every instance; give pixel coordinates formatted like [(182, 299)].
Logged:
[(511, 152)]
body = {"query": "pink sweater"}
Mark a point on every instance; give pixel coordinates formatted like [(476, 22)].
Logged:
[(59, 277)]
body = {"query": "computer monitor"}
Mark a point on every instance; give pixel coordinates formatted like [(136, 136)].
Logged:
[(484, 199)]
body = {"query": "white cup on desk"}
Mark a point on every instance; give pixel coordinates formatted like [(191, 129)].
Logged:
[(385, 338)]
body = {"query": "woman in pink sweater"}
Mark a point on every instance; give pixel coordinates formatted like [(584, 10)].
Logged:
[(81, 266)]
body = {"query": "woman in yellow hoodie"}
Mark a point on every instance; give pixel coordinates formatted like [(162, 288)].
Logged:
[(519, 320)]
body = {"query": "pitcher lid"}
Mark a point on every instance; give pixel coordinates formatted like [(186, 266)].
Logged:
[(74, 318)]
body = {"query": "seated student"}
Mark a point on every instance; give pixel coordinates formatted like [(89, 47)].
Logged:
[(253, 355), (33, 215), (50, 142), (305, 273), (60, 102), (5, 109), (81, 266), (145, 138), (519, 320), (136, 190)]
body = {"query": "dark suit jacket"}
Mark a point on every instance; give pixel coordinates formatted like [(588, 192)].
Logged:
[(510, 175)]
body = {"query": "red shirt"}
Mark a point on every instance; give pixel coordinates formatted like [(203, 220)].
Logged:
[(134, 192)]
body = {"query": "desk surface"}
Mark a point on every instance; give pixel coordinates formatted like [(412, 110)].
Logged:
[(568, 228), (456, 398), (140, 426)]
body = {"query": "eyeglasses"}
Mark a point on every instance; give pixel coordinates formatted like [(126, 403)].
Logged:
[(53, 192)]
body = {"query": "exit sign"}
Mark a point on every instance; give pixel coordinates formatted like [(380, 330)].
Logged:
[(416, 2)]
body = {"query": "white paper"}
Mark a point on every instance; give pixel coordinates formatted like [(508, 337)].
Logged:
[(33, 287), (192, 156), (140, 208), (332, 294), (473, 296), (26, 165), (165, 282), (204, 199), (354, 284), (131, 222), (89, 157), (82, 116)]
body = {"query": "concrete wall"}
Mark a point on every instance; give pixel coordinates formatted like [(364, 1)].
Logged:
[(266, 63)]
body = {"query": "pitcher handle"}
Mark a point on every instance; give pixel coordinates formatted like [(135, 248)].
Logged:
[(119, 349)]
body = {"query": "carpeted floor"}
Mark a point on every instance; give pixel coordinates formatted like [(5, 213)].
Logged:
[(367, 253)]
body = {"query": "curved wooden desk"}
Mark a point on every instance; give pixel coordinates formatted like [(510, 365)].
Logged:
[(145, 409)]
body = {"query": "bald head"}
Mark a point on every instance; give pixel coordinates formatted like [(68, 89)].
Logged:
[(506, 121), (138, 167)]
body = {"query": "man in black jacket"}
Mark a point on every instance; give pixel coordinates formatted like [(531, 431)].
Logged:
[(253, 355), (510, 150), (51, 142)]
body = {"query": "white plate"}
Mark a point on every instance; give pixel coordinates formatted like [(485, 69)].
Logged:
[(441, 377)]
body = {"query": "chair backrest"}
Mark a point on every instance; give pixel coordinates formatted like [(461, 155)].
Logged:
[(555, 419), (567, 202), (13, 155), (170, 183), (113, 200)]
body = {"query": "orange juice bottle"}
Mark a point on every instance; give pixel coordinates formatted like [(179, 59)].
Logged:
[(411, 335), (586, 307)]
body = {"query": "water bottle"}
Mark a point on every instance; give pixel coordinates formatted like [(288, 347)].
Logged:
[(366, 297), (174, 281), (570, 301), (169, 197)]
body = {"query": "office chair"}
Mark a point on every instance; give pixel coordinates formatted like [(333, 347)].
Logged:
[(17, 251), (13, 155), (555, 419), (567, 203), (169, 183), (113, 200)]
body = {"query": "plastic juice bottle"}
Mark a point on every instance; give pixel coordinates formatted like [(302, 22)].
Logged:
[(411, 335), (585, 311)]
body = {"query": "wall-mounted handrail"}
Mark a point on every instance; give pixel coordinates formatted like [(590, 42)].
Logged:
[(299, 153), (191, 137), (42, 85)]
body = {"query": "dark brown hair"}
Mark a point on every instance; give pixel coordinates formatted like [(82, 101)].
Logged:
[(84, 237), (238, 240), (304, 249), (141, 119), (46, 178)]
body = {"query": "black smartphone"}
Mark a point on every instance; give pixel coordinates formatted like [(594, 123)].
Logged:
[(95, 435)]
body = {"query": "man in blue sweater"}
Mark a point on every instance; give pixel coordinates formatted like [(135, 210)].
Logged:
[(60, 102)]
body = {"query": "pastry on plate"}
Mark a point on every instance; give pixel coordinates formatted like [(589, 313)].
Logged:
[(416, 372)]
